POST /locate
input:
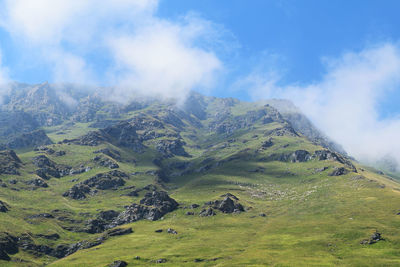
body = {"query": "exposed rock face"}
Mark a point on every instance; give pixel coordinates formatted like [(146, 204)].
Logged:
[(207, 212), (296, 156), (9, 162), (300, 156), (38, 183), (48, 168), (168, 148), (283, 131), (77, 192), (227, 205), (79, 170), (107, 180), (375, 237), (125, 133), (153, 206), (8, 245), (267, 144), (13, 123), (118, 232), (106, 162), (100, 224), (4, 206), (303, 156), (329, 155), (112, 153), (339, 171), (160, 200), (118, 264), (93, 138), (102, 181), (32, 139)]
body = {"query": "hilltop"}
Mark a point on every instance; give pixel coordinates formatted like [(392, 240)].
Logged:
[(213, 181)]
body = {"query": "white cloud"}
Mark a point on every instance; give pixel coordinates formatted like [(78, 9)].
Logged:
[(3, 71), (3, 78), (344, 103), (146, 54), (161, 59)]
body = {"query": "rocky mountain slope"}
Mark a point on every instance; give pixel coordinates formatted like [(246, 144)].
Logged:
[(212, 182)]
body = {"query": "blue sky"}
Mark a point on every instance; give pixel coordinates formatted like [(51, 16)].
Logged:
[(300, 32), (290, 35), (338, 61)]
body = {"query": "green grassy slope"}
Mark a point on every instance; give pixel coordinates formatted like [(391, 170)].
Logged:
[(312, 219)]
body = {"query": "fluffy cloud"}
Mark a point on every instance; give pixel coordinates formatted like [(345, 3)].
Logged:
[(160, 59), (3, 79), (145, 54), (345, 103)]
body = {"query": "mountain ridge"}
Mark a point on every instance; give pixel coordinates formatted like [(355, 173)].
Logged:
[(216, 181)]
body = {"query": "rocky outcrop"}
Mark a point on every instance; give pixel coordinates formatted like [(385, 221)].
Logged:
[(329, 155), (153, 206), (30, 140), (296, 156), (118, 263), (9, 162), (339, 171), (112, 153), (48, 168), (375, 237), (77, 192), (37, 182), (227, 205), (8, 245), (207, 212), (107, 180), (169, 148), (124, 133), (101, 222), (267, 144), (4, 207), (102, 181), (93, 138), (286, 130), (106, 162)]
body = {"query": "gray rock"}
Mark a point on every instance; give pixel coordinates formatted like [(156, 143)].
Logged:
[(118, 263)]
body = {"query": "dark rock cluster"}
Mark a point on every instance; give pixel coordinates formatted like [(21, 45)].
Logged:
[(112, 153), (49, 168), (229, 204), (375, 237), (4, 207), (31, 139), (102, 181), (106, 162), (152, 207), (169, 148), (37, 182), (9, 162), (339, 171)]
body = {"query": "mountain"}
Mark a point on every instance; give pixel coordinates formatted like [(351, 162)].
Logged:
[(210, 182)]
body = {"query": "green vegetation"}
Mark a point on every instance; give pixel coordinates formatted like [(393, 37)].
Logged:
[(311, 218)]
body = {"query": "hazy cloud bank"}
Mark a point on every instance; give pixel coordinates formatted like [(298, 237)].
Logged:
[(145, 54), (344, 103)]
